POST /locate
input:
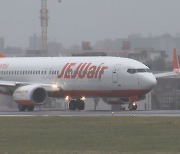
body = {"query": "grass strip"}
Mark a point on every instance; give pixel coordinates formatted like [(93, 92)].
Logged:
[(96, 135)]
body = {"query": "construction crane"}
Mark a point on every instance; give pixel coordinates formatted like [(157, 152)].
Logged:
[(44, 24)]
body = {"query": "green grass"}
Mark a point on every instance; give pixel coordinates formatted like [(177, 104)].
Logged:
[(96, 135)]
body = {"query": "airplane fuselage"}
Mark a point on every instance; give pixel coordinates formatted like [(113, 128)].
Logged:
[(82, 76)]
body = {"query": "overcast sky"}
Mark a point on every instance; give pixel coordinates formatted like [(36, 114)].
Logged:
[(73, 21)]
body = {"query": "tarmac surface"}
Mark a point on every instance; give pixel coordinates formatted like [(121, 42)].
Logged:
[(169, 113)]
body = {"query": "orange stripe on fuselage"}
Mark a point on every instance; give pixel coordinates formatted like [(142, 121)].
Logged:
[(99, 93), (24, 102)]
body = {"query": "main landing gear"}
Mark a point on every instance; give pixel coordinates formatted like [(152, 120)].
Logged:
[(132, 106), (25, 107), (76, 104)]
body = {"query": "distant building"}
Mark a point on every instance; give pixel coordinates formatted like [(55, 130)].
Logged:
[(14, 51), (146, 55), (165, 42), (55, 48), (89, 54), (35, 42), (126, 45), (86, 46), (36, 53), (166, 94)]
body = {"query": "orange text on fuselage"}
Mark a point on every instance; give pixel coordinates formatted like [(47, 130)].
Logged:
[(4, 66), (81, 71)]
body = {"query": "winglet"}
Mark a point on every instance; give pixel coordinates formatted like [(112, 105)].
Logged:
[(175, 62)]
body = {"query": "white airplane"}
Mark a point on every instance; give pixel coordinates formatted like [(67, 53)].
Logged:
[(31, 81)]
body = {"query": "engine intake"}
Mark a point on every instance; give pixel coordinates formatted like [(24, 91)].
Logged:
[(39, 95)]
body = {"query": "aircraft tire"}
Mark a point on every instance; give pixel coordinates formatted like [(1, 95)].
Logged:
[(135, 107), (132, 106), (30, 108), (80, 105), (21, 108), (72, 105)]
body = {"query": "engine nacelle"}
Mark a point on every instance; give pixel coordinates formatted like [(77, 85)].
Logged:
[(30, 95)]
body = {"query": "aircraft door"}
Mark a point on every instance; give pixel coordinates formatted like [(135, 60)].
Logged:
[(115, 73)]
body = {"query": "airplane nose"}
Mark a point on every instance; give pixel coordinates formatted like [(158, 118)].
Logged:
[(151, 82), (148, 81)]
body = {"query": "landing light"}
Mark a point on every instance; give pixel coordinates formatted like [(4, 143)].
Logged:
[(55, 86), (83, 98), (134, 104), (67, 98)]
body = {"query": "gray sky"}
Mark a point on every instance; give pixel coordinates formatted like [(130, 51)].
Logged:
[(90, 20)]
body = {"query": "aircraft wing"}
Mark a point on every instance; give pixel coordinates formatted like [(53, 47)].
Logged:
[(8, 83), (165, 74), (48, 86), (175, 67)]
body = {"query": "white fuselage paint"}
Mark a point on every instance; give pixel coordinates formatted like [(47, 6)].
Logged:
[(108, 75)]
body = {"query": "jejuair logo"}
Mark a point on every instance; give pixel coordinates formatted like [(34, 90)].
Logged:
[(81, 71)]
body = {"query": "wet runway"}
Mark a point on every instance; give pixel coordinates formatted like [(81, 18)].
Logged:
[(169, 113)]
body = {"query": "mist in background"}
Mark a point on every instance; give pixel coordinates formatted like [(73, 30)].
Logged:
[(73, 21)]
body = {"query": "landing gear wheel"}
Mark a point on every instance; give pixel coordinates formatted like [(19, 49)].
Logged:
[(80, 105), (30, 108), (21, 108), (132, 106), (72, 105)]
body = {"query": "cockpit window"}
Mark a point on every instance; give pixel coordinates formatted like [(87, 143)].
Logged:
[(141, 70), (131, 71)]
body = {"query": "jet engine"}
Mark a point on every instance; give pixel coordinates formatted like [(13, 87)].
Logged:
[(30, 95)]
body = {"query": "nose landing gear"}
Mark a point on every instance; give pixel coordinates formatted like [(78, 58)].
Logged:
[(132, 106)]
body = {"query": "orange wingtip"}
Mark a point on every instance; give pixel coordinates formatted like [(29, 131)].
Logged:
[(2, 56), (175, 61)]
